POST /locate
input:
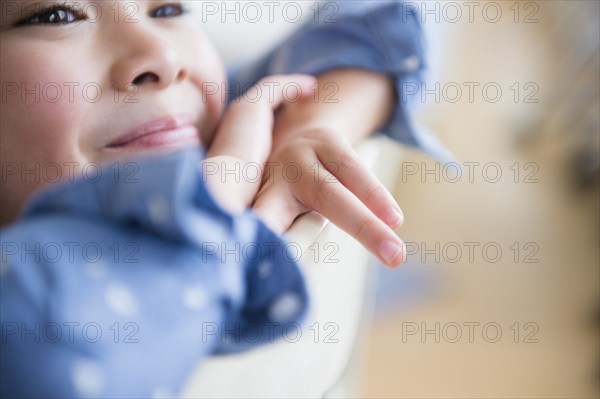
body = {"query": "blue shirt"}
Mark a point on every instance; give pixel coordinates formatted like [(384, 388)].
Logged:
[(111, 282), (117, 286), (379, 36)]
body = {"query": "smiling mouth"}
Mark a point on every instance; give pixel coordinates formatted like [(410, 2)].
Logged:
[(164, 132)]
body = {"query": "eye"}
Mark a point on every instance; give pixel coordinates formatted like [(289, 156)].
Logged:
[(169, 10), (58, 14)]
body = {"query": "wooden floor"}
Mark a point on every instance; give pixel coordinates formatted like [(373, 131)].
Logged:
[(547, 312)]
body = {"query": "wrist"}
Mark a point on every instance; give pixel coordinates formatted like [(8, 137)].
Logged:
[(353, 102)]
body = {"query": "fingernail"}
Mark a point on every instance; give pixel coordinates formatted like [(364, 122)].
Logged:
[(389, 251), (394, 217)]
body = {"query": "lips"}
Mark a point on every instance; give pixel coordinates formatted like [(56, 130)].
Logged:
[(167, 131)]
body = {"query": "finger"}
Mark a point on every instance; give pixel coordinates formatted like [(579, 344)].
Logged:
[(277, 208), (225, 187), (345, 165), (334, 201), (246, 129)]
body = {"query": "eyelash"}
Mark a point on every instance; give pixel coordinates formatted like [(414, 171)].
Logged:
[(69, 10)]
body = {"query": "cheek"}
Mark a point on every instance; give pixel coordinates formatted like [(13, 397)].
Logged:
[(209, 76), (41, 111), (214, 108), (38, 123)]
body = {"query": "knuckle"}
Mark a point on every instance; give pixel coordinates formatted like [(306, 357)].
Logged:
[(375, 193), (322, 193), (364, 228), (347, 163)]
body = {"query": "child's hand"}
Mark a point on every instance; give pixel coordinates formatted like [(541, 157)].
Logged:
[(314, 134), (318, 169), (244, 137)]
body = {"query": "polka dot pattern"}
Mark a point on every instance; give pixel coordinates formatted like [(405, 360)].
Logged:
[(285, 307), (195, 298), (88, 378), (133, 330), (121, 300), (411, 63), (264, 268), (159, 209)]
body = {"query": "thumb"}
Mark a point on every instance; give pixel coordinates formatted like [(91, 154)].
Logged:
[(277, 208), (246, 129)]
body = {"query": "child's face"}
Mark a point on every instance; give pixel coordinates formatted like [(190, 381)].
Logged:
[(78, 78)]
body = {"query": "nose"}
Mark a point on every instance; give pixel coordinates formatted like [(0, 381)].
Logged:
[(146, 60)]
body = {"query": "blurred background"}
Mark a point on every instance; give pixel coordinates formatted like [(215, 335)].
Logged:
[(541, 292), (500, 294)]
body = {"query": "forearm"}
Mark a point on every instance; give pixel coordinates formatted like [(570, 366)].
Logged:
[(353, 102), (383, 37)]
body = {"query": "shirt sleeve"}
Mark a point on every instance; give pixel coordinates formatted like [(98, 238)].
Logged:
[(119, 284), (380, 36)]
